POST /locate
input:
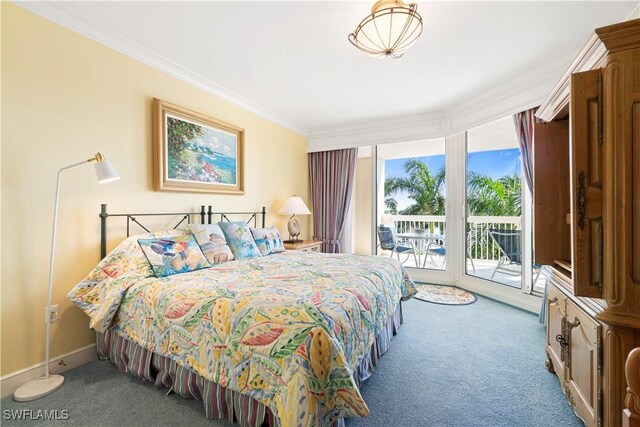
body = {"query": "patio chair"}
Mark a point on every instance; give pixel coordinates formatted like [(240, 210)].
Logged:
[(510, 253), (438, 248), (389, 242), (435, 247)]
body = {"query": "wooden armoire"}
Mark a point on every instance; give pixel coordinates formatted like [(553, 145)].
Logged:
[(586, 161)]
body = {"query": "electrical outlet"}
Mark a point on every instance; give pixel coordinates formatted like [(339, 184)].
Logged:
[(52, 314)]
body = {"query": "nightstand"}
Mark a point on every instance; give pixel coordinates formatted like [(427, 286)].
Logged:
[(305, 246)]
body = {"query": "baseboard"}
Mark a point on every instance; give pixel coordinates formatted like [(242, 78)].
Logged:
[(505, 294), (10, 382)]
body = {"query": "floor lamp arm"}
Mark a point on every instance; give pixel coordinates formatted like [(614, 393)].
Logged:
[(40, 387), (51, 263)]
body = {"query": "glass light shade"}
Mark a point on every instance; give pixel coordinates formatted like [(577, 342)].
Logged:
[(294, 205), (391, 29), (105, 172)]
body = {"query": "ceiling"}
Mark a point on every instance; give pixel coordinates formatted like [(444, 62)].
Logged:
[(291, 61)]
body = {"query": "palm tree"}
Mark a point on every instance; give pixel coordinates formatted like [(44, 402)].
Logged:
[(491, 197), (494, 197), (426, 190), (390, 203)]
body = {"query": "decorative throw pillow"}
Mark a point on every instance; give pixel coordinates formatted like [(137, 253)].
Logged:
[(173, 255), (240, 239), (128, 257), (212, 242), (268, 240)]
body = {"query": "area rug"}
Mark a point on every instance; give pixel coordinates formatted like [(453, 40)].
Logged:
[(446, 295)]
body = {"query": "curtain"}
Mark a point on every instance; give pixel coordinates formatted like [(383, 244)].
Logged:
[(524, 128), (332, 176), (524, 122)]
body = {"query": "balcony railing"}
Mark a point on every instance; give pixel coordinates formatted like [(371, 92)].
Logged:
[(481, 244)]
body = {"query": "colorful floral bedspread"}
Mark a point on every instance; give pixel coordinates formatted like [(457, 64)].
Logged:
[(285, 329)]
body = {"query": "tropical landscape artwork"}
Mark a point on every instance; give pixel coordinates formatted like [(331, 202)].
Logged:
[(197, 153), (200, 153)]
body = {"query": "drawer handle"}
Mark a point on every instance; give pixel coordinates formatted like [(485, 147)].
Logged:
[(582, 210), (575, 323), (563, 343), (554, 300)]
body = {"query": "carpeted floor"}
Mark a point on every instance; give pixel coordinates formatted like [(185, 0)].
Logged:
[(474, 365)]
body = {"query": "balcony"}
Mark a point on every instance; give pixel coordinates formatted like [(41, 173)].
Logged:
[(483, 252)]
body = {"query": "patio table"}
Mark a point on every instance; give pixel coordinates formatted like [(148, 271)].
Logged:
[(424, 238)]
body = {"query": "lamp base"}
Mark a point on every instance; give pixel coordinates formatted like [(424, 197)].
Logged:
[(293, 241), (36, 389)]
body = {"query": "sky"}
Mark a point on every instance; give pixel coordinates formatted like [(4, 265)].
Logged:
[(496, 163)]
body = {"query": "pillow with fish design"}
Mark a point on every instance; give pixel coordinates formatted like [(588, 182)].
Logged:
[(168, 256)]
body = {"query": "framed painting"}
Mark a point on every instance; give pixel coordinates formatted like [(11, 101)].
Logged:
[(193, 152)]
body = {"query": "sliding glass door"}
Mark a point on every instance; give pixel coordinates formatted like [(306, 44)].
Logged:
[(453, 210), (411, 194), (493, 192)]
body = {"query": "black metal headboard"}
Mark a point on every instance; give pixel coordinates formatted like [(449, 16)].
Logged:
[(206, 217)]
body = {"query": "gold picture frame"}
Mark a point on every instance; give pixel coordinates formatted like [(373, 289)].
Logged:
[(195, 153)]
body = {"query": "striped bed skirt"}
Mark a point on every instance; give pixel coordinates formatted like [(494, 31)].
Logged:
[(220, 402)]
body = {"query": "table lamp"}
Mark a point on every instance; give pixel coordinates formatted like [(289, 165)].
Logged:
[(31, 390), (294, 205)]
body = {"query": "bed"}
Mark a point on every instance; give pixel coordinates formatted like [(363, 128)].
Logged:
[(284, 339)]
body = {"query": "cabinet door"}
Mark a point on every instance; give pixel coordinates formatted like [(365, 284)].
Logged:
[(582, 372), (550, 197), (556, 307), (586, 182)]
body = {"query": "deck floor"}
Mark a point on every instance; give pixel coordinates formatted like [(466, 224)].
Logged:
[(483, 269)]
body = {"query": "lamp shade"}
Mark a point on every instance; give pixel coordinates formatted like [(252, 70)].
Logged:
[(294, 205), (105, 172)]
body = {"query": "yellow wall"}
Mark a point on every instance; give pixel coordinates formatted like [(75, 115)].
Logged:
[(65, 97), (362, 213)]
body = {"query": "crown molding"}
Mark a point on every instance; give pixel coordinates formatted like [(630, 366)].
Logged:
[(58, 13), (513, 96), (377, 131), (557, 100), (510, 97)]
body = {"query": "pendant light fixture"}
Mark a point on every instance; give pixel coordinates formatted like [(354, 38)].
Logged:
[(389, 31)]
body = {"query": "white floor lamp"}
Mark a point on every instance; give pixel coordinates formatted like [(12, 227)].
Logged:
[(35, 389)]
